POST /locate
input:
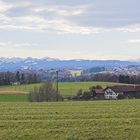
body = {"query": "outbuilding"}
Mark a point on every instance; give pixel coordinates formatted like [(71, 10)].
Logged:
[(99, 94)]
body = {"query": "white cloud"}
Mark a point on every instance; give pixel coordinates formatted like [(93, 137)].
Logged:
[(62, 10), (4, 6), (81, 18), (36, 20), (133, 41), (39, 24), (130, 28), (16, 45)]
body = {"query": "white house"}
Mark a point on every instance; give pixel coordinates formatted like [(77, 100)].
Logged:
[(122, 92), (110, 94)]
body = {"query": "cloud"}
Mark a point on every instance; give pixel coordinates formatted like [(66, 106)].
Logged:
[(61, 10), (133, 41), (16, 45), (131, 28), (37, 23), (42, 18), (77, 17), (4, 6)]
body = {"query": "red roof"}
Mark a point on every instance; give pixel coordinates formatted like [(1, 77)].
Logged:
[(125, 88), (99, 91)]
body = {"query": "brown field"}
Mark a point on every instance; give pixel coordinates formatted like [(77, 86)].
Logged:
[(14, 92)]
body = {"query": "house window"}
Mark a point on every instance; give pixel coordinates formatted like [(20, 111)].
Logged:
[(109, 92)]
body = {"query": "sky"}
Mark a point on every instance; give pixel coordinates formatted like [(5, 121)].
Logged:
[(70, 29)]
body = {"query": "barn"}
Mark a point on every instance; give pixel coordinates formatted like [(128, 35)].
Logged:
[(122, 92), (99, 94)]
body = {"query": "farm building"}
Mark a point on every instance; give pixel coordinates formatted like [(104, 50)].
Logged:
[(99, 94), (118, 92)]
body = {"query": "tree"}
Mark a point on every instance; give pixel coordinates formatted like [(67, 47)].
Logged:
[(34, 78), (79, 95), (45, 93), (18, 76), (22, 78), (124, 79), (30, 79), (87, 95)]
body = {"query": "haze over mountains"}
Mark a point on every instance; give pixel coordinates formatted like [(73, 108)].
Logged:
[(12, 64)]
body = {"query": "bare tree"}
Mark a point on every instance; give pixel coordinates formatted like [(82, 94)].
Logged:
[(45, 93)]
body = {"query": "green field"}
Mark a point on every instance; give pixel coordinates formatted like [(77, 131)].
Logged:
[(76, 72), (67, 89), (13, 97), (85, 120)]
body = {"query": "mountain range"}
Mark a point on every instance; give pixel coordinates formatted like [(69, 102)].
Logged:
[(13, 64)]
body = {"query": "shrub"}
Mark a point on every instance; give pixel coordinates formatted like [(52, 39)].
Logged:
[(45, 93), (86, 95)]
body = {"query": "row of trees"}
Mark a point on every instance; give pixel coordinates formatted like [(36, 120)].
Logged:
[(104, 77), (8, 78), (27, 78), (133, 79), (129, 79)]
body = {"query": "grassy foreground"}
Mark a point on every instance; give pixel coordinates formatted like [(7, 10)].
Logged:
[(66, 89), (93, 120)]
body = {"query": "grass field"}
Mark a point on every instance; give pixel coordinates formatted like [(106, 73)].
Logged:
[(13, 98), (76, 72), (93, 120), (66, 89)]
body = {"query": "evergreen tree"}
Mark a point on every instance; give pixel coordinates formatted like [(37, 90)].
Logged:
[(18, 76), (22, 78)]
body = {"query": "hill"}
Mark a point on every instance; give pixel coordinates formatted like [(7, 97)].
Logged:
[(67, 89)]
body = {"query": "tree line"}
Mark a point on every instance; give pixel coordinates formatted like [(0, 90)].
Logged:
[(133, 79), (9, 78)]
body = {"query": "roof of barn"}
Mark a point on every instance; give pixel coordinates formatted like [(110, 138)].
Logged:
[(125, 88)]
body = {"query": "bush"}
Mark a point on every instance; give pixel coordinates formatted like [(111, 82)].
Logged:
[(45, 93), (86, 95)]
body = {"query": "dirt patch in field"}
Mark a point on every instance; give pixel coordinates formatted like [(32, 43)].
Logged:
[(14, 92)]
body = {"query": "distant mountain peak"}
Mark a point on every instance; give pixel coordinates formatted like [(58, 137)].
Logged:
[(50, 59)]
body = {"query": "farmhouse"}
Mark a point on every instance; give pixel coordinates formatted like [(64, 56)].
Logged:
[(117, 92)]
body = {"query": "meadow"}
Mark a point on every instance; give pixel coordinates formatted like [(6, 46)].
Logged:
[(67, 89), (85, 120)]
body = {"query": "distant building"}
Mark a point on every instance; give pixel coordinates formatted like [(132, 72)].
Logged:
[(15, 83), (99, 94), (122, 92)]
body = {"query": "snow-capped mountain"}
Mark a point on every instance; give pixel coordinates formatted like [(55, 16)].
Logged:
[(137, 60), (12, 64)]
